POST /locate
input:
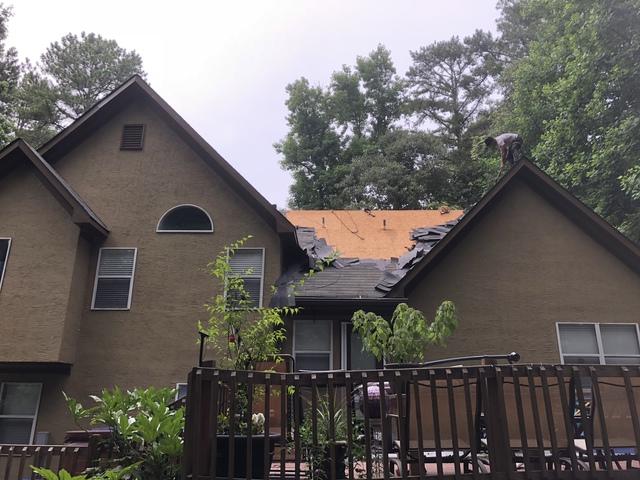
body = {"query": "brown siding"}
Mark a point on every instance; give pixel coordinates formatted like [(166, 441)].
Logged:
[(34, 301), (521, 269), (155, 342)]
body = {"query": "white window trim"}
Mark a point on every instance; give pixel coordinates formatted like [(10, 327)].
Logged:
[(343, 345), (178, 385), (133, 274), (601, 355), (158, 230), (6, 260), (34, 417), (330, 352), (251, 275)]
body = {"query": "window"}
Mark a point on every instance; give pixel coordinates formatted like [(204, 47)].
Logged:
[(353, 357), (185, 219), (312, 344), (18, 411), (5, 244), (248, 264), (132, 137), (599, 343), (114, 279)]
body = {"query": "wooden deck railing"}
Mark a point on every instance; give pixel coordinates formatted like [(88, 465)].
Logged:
[(503, 422), (16, 460)]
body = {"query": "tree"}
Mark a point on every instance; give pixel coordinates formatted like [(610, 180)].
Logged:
[(450, 88), (9, 75), (330, 127), (574, 96), (451, 82), (83, 70), (312, 148), (403, 170), (404, 338), (382, 90), (73, 74)]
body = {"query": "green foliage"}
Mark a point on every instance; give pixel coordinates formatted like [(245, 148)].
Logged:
[(83, 69), (9, 75), (117, 473), (241, 334), (573, 92), (74, 73), (348, 145), (406, 337), (145, 432)]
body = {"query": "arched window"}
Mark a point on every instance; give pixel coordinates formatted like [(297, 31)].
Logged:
[(185, 219)]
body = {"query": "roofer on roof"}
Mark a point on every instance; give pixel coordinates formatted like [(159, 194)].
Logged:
[(507, 144)]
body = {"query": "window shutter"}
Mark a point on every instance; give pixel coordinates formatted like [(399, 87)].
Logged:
[(114, 278), (132, 137), (247, 262)]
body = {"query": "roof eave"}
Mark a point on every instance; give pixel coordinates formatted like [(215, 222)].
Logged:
[(89, 223)]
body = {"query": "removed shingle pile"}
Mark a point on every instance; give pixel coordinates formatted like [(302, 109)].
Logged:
[(426, 239)]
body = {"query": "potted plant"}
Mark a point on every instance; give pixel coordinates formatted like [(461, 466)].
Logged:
[(243, 336)]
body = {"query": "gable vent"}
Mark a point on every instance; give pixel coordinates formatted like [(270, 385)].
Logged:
[(132, 137)]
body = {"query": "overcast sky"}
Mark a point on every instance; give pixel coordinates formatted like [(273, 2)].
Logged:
[(224, 65)]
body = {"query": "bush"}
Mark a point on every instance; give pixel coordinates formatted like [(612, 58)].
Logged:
[(145, 432)]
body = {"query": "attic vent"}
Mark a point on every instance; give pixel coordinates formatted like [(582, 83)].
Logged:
[(132, 137)]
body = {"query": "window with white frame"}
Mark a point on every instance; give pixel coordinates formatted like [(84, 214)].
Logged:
[(247, 264), (312, 344), (18, 411), (185, 219), (599, 343), (5, 244), (114, 279)]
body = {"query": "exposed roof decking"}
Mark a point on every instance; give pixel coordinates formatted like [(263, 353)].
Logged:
[(357, 233)]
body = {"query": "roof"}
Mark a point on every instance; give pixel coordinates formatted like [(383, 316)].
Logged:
[(137, 89), (346, 278), (81, 213), (594, 225), (375, 234)]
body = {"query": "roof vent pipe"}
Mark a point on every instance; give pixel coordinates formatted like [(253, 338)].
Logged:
[(384, 224)]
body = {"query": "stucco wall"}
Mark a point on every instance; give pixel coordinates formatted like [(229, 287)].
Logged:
[(34, 299), (520, 270), (155, 342)]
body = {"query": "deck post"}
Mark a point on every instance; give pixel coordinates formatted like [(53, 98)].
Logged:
[(496, 418)]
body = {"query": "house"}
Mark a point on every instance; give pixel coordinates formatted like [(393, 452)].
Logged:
[(105, 234), (106, 230), (530, 269)]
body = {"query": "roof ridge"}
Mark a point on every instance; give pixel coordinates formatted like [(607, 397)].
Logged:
[(136, 86)]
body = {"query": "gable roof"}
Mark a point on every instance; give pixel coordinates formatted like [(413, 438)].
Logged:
[(371, 234), (81, 213), (594, 225), (137, 89)]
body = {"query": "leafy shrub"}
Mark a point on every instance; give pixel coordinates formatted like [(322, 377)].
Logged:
[(145, 432)]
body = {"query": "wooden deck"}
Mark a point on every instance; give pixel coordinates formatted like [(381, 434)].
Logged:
[(503, 422)]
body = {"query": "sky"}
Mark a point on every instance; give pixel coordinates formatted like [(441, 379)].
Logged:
[(224, 65)]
